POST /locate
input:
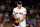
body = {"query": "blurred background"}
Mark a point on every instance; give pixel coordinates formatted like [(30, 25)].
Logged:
[(32, 17)]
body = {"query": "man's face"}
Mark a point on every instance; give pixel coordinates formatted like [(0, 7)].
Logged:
[(19, 5)]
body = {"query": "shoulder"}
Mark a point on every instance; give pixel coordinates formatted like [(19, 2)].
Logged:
[(23, 8)]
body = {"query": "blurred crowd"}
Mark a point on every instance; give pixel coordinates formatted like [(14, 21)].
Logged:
[(32, 7)]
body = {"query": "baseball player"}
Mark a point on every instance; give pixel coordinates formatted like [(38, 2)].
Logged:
[(19, 13)]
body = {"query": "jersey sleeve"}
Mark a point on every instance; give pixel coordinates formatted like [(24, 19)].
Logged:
[(24, 11), (13, 11)]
